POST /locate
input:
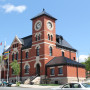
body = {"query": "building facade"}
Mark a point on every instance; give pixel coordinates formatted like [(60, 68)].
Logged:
[(44, 54)]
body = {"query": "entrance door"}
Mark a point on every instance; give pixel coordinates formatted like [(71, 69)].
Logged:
[(2, 74), (38, 69)]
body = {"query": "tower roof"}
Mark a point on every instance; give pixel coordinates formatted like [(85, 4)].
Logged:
[(43, 13)]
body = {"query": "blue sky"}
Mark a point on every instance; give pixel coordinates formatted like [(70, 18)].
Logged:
[(73, 20)]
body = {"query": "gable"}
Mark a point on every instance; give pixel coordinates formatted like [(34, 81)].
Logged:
[(16, 41)]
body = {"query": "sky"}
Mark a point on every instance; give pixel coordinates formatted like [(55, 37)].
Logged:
[(73, 20)]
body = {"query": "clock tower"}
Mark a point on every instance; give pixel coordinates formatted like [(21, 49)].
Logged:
[(43, 25), (43, 38)]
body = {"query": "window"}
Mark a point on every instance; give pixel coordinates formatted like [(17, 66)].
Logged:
[(62, 53), (50, 51), (51, 38), (73, 58), (66, 86), (52, 71), (39, 37), (13, 57), (37, 51), (36, 38), (26, 54), (26, 69), (75, 85), (12, 71), (60, 70), (13, 46), (17, 56), (48, 37), (17, 44)]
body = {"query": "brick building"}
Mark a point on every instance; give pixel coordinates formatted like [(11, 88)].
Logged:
[(44, 54)]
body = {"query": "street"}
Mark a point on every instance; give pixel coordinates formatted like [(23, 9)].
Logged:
[(19, 88)]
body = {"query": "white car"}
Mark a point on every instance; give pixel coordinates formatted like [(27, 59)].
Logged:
[(73, 86)]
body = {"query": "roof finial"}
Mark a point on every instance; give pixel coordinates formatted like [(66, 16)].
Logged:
[(43, 9)]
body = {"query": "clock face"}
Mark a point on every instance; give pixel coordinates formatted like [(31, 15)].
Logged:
[(38, 25), (49, 25)]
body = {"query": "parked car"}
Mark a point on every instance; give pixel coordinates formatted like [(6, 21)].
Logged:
[(5, 84), (73, 86)]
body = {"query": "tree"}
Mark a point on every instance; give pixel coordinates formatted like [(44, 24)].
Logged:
[(87, 64), (16, 68)]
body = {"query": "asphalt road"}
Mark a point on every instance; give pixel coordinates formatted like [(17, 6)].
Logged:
[(18, 88)]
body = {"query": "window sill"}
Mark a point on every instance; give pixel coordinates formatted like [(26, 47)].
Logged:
[(26, 73), (60, 74), (52, 75)]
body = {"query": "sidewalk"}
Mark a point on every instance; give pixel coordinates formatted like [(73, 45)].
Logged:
[(34, 86)]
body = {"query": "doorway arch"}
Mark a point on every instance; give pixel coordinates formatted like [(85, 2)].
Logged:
[(38, 69)]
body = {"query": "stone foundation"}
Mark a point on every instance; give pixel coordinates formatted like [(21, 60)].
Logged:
[(53, 80)]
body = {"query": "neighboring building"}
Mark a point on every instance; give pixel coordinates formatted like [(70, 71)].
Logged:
[(45, 54)]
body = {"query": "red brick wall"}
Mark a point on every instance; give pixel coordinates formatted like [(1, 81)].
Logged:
[(68, 71)]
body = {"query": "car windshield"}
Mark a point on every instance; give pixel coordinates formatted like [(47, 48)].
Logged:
[(86, 85)]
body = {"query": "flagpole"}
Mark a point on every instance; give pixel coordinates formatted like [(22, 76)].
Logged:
[(8, 70)]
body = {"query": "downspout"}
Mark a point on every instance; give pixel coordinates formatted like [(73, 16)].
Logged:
[(21, 67)]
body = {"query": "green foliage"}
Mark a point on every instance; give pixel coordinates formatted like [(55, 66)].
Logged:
[(87, 64), (17, 83), (16, 67)]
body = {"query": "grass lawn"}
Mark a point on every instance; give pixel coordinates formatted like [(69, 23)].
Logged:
[(49, 84)]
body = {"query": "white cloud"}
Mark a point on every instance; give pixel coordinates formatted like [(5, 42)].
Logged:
[(9, 8), (82, 58)]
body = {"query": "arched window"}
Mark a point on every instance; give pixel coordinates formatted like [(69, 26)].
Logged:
[(37, 51), (50, 51), (48, 37), (13, 57), (36, 38), (26, 55), (51, 38), (39, 37), (26, 69), (17, 56)]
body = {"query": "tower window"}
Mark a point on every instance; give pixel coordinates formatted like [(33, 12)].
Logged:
[(62, 53), (48, 37), (26, 54), (17, 56), (39, 37), (37, 51), (50, 51), (36, 38), (51, 38)]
